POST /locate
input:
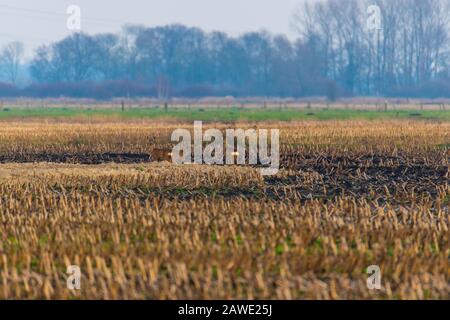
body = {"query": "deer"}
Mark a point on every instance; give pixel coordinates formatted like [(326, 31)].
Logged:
[(161, 154)]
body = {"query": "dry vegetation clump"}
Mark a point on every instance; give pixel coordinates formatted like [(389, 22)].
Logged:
[(349, 195)]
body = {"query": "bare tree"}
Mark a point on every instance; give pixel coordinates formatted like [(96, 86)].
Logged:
[(11, 58), (163, 90), (410, 49), (337, 52)]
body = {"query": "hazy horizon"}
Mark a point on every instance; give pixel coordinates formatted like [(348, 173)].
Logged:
[(37, 23)]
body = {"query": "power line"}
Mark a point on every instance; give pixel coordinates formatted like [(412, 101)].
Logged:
[(46, 15), (60, 14), (16, 36)]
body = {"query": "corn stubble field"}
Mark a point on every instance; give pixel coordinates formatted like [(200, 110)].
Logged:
[(349, 194)]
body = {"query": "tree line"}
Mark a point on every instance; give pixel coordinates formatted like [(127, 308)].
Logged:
[(335, 54)]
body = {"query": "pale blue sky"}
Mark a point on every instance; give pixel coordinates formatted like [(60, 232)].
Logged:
[(37, 22)]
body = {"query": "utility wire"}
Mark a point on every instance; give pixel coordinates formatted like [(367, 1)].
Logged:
[(15, 36), (60, 14), (49, 15)]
